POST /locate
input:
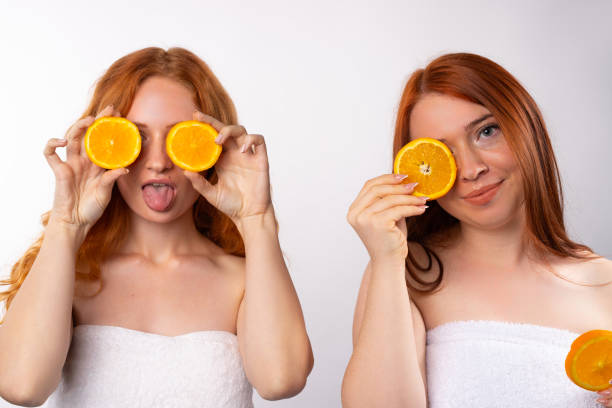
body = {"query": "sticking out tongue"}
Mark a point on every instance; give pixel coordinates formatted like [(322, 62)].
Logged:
[(158, 198)]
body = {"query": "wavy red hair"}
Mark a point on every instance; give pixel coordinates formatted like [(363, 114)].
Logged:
[(482, 81), (118, 86)]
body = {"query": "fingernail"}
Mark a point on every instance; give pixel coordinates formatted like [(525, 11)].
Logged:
[(401, 176), (243, 149), (424, 206), (410, 186), (601, 401), (218, 139), (127, 171), (424, 198)]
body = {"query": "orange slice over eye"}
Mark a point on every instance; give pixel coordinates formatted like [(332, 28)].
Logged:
[(112, 142), (430, 163), (589, 361), (191, 145)]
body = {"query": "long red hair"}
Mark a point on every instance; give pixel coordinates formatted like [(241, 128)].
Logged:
[(118, 86), (482, 81)]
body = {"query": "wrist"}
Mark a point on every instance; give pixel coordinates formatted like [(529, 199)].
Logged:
[(265, 220), (71, 233), (389, 261)]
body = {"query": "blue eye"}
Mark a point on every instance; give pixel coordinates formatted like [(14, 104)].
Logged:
[(488, 131)]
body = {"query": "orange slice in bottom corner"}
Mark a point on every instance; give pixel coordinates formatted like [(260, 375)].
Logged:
[(589, 361), (112, 142), (430, 163), (191, 145)]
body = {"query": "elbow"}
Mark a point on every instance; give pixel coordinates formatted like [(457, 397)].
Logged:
[(285, 383), (22, 399), (282, 387), (22, 393), (359, 391)]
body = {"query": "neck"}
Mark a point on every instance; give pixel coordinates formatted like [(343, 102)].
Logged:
[(161, 243), (503, 246)]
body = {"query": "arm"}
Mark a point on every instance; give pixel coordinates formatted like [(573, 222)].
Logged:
[(389, 343), (35, 337), (271, 329), (271, 332), (387, 367), (37, 330)]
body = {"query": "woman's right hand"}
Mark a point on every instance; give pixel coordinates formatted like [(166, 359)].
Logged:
[(379, 213), (82, 189)]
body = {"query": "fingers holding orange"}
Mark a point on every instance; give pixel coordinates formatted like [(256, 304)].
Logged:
[(604, 399), (232, 136), (379, 187), (50, 154), (74, 137), (395, 200), (385, 179), (380, 191), (214, 122), (589, 361), (252, 144), (430, 163)]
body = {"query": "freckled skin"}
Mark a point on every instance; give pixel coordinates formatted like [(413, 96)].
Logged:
[(444, 117), (159, 102)]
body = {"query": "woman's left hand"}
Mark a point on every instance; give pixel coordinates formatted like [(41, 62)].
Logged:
[(243, 186)]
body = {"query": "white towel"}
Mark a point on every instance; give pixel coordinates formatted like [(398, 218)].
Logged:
[(110, 366), (500, 364)]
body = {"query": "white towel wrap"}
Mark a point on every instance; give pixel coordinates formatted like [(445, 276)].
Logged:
[(482, 364)]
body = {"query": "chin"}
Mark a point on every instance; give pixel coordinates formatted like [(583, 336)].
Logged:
[(490, 217)]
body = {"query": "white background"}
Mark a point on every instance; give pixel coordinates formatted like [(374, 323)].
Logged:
[(321, 82)]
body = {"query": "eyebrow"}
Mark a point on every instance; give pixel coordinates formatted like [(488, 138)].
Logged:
[(477, 121), (142, 125)]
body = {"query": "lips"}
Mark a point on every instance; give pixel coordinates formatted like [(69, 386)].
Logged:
[(160, 181), (483, 195), (483, 190)]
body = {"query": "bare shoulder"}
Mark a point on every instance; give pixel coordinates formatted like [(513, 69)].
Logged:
[(233, 267), (594, 270)]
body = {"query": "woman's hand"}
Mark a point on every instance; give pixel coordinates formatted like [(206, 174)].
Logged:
[(82, 189), (379, 213), (243, 186), (605, 397)]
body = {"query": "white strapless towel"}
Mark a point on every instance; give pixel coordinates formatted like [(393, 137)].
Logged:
[(112, 367), (482, 364)]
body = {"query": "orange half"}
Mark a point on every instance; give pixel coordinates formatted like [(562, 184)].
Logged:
[(430, 163), (112, 142), (589, 361), (191, 145)]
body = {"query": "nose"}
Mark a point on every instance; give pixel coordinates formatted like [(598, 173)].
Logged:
[(157, 159), (470, 164)]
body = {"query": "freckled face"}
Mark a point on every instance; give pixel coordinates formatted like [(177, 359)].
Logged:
[(488, 191), (159, 103)]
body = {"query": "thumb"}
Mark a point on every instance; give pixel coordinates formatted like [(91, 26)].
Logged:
[(201, 185), (108, 178)]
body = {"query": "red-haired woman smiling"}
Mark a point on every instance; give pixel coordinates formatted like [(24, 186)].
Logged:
[(472, 300), (182, 296)]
